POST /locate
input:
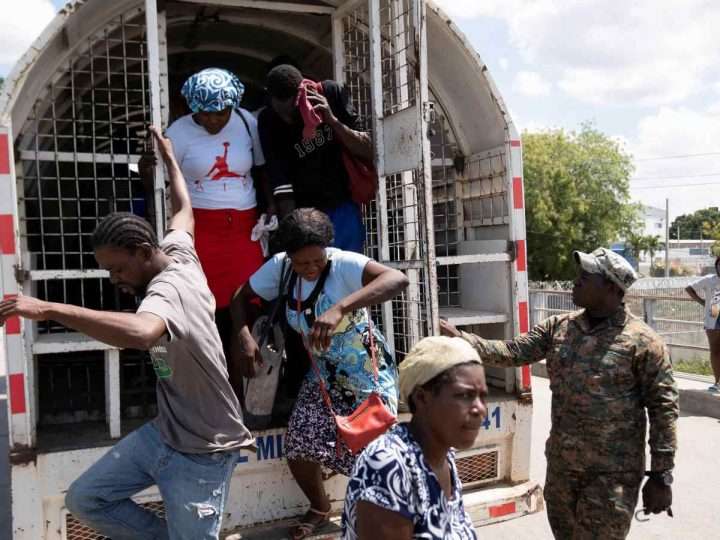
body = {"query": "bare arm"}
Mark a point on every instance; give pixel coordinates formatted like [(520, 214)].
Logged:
[(376, 523), (357, 142), (244, 348), (692, 294), (122, 330), (182, 214), (380, 284), (264, 182)]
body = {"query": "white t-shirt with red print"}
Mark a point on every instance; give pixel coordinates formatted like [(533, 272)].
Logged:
[(217, 167)]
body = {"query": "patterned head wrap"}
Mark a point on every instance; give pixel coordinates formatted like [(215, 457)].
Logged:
[(213, 90)]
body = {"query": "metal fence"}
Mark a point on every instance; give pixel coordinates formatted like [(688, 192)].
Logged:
[(661, 303)]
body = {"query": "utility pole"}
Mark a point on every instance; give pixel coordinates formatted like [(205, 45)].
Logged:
[(667, 237)]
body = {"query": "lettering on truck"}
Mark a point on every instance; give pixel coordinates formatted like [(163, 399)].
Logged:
[(270, 446)]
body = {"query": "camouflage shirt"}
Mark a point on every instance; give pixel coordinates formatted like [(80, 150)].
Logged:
[(602, 379)]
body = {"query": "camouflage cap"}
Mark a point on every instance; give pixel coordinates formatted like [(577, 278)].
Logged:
[(609, 264)]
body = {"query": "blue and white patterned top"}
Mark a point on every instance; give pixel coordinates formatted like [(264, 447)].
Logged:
[(346, 366), (392, 473)]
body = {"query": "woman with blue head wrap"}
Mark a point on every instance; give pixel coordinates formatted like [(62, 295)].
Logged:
[(218, 149)]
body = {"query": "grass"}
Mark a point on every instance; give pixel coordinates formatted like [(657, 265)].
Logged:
[(696, 368)]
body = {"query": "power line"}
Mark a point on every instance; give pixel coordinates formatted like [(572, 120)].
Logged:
[(674, 177), (661, 186), (679, 156)]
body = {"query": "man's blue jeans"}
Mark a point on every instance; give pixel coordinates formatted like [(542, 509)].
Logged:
[(194, 489)]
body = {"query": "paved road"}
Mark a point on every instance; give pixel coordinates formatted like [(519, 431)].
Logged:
[(697, 478)]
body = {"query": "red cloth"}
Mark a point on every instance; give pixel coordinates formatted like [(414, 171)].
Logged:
[(311, 119), (227, 255)]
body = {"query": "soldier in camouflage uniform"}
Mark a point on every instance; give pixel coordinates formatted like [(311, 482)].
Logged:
[(606, 368)]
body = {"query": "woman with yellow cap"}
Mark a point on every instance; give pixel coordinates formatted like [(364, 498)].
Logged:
[(405, 484)]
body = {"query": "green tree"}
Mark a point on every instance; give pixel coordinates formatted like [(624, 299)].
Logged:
[(577, 197), (711, 231), (691, 225)]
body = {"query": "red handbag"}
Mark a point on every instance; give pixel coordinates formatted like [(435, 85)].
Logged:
[(363, 178), (371, 418)]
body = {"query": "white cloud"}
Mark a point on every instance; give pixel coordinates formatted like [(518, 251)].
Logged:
[(21, 23), (645, 52), (678, 134), (504, 63), (531, 83)]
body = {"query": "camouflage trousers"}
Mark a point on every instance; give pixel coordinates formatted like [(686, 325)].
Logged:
[(591, 506)]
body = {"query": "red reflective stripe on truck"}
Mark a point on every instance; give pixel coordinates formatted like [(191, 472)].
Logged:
[(7, 235), (4, 154), (523, 317), (502, 510), (515, 143), (16, 383), (521, 260), (525, 379), (517, 187), (12, 324)]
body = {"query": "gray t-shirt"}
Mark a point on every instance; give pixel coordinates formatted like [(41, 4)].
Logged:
[(198, 411)]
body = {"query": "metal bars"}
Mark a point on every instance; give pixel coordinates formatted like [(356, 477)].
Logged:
[(355, 62), (77, 152), (399, 56), (75, 157)]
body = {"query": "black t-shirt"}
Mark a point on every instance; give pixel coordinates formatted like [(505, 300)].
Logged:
[(311, 171)]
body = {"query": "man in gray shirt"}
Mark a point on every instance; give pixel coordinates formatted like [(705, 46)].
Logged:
[(190, 449)]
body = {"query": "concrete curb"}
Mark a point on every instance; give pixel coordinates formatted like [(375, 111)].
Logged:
[(695, 400)]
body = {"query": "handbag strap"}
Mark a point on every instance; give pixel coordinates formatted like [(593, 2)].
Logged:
[(280, 300), (247, 127), (313, 363)]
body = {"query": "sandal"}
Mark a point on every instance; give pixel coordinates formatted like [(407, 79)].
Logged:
[(305, 528)]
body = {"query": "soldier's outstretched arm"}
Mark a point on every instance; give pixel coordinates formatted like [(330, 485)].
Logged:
[(660, 396), (525, 349)]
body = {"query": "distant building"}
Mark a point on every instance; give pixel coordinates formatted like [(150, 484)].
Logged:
[(654, 221)]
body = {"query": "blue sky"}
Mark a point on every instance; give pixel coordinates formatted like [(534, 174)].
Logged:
[(644, 71)]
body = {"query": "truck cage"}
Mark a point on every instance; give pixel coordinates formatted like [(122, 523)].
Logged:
[(448, 214)]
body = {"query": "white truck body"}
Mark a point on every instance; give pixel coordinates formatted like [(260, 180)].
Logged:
[(449, 213)]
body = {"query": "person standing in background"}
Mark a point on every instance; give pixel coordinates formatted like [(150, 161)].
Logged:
[(706, 292)]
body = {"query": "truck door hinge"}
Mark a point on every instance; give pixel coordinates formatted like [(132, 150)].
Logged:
[(512, 250), (21, 275)]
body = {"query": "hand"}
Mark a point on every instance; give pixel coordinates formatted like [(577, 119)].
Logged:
[(322, 329), (23, 306), (246, 354), (447, 329), (321, 106), (657, 497), (270, 211), (163, 145)]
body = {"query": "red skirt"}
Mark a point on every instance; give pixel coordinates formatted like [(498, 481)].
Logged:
[(227, 254)]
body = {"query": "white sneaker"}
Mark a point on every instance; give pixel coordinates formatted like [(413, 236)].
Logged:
[(714, 389)]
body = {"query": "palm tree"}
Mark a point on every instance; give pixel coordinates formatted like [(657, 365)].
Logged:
[(652, 246)]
